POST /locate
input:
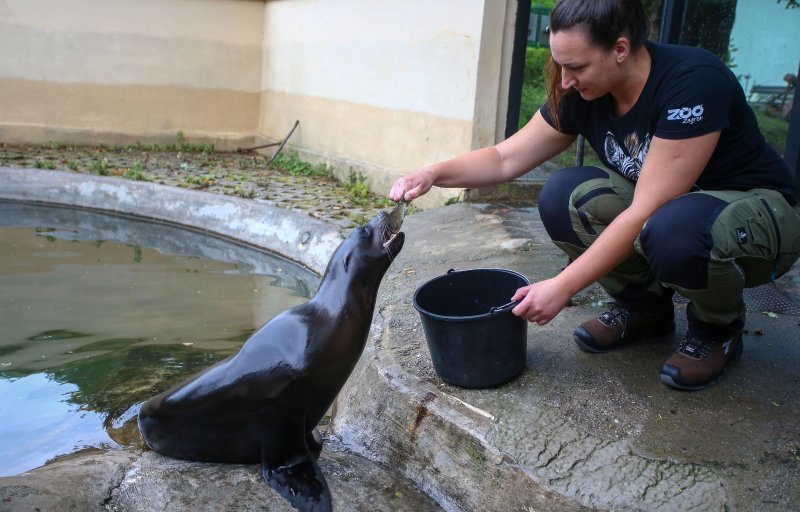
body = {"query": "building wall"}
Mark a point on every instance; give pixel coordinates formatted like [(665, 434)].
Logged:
[(384, 87), (93, 71), (380, 87), (766, 39)]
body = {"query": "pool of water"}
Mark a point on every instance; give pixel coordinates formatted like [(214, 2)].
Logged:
[(98, 313)]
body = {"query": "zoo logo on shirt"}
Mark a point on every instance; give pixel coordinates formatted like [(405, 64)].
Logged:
[(686, 115)]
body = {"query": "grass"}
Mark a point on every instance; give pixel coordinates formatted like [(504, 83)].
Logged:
[(136, 172), (180, 145), (292, 164), (44, 164), (201, 182), (244, 193), (100, 167), (773, 127)]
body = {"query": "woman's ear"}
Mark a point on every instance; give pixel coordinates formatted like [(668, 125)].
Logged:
[(622, 49)]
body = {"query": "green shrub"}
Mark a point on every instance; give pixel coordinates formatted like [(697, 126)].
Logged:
[(535, 60), (774, 128), (533, 87), (291, 163), (357, 186), (135, 172)]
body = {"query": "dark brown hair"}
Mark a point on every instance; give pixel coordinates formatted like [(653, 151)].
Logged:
[(604, 21)]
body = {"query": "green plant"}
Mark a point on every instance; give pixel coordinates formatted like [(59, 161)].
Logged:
[(72, 165), (187, 147), (357, 185), (774, 128), (292, 164), (44, 164), (201, 182), (244, 193), (100, 167), (358, 218), (136, 172), (385, 202), (533, 87)]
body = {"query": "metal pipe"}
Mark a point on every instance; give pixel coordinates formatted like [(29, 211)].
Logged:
[(517, 66)]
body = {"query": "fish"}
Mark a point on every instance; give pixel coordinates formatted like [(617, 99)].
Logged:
[(397, 215)]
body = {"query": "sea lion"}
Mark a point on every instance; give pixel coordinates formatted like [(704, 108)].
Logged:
[(263, 403)]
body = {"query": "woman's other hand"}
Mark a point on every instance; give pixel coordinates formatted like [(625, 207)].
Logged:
[(541, 301)]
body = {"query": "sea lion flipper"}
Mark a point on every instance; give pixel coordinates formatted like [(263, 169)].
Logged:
[(301, 482), (314, 442)]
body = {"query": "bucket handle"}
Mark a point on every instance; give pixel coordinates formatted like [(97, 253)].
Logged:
[(498, 309)]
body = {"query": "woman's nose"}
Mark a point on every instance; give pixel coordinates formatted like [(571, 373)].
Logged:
[(567, 80)]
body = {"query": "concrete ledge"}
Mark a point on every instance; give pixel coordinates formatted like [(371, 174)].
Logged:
[(307, 241)]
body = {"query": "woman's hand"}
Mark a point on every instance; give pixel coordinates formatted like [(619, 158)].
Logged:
[(411, 186), (541, 301)]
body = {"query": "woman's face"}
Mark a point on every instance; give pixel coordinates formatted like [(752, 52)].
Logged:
[(586, 68)]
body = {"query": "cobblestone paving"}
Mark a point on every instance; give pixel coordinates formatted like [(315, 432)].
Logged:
[(244, 174)]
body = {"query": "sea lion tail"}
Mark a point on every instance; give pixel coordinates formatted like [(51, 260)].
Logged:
[(301, 482)]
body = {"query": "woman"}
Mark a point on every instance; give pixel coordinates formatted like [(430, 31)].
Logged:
[(695, 200)]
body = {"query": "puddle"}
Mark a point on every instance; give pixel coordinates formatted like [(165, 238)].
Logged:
[(99, 313)]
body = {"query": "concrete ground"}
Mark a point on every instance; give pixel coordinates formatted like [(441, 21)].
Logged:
[(574, 431)]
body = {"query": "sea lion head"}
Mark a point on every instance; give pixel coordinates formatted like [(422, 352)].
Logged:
[(372, 246)]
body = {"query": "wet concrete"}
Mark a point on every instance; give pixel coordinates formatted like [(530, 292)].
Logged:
[(575, 431), (126, 480), (598, 431)]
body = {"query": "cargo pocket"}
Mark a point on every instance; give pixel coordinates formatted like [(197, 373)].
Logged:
[(786, 225), (757, 249), (790, 248)]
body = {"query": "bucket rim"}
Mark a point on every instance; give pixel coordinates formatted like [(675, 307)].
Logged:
[(468, 318)]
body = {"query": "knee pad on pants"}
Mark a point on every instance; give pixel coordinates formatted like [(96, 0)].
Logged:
[(677, 240), (556, 202)]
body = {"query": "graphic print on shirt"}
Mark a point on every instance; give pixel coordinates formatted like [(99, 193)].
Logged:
[(629, 159)]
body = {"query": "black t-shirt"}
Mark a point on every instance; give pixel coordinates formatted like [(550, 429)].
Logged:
[(689, 93)]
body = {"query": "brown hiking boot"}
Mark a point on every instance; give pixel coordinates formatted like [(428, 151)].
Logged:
[(619, 325), (700, 361)]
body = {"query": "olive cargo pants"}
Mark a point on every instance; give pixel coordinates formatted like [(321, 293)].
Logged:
[(707, 245)]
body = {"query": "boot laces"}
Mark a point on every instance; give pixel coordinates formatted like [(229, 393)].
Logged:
[(616, 315), (695, 347)]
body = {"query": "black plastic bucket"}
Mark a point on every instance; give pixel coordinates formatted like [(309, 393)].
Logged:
[(474, 339)]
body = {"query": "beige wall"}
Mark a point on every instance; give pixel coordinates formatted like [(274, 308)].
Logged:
[(384, 87), (380, 87), (98, 71)]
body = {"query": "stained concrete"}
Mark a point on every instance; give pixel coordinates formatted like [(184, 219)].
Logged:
[(574, 431), (305, 240), (132, 481)]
